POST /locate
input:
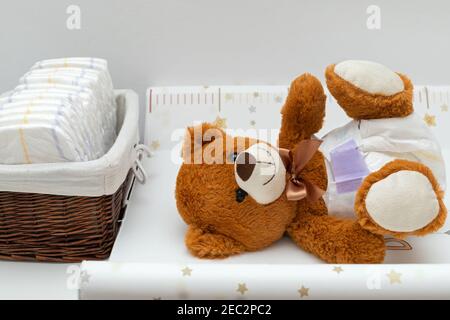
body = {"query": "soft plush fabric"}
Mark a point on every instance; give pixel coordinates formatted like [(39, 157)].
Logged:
[(260, 172), (360, 104), (371, 77), (433, 208), (408, 192)]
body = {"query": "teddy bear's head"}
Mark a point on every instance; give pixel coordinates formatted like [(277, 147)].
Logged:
[(233, 186)]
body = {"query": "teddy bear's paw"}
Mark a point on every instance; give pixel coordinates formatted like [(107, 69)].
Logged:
[(369, 90), (303, 111), (402, 198), (211, 246)]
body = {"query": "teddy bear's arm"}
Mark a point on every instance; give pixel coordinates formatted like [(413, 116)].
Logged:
[(335, 240), (303, 111), (211, 246)]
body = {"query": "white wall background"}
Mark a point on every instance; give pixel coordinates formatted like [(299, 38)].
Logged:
[(184, 42)]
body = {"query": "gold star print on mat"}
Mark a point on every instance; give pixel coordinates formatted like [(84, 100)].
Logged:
[(155, 145), (252, 109), (394, 277), (228, 96), (338, 270), (186, 272), (242, 288), (221, 122), (253, 123), (430, 120), (256, 94), (304, 292), (84, 277)]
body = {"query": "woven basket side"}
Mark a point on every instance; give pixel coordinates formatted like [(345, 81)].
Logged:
[(39, 227)]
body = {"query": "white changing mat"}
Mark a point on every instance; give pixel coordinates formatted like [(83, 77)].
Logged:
[(150, 260)]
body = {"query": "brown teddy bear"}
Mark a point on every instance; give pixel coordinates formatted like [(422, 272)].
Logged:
[(238, 194)]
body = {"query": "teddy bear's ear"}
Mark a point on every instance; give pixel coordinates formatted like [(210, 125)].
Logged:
[(197, 138)]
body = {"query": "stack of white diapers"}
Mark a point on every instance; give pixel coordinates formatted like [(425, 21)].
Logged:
[(63, 110)]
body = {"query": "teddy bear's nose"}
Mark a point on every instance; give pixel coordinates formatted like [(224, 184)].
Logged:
[(245, 164)]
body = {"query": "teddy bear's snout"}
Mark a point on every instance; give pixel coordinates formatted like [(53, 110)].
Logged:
[(260, 172), (245, 165)]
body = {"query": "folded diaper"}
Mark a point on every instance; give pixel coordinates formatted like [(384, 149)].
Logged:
[(87, 63), (58, 111), (98, 81), (371, 144), (62, 110), (85, 103)]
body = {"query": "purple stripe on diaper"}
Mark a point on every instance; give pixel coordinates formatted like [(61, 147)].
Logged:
[(348, 166)]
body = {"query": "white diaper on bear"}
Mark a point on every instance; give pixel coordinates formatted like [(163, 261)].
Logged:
[(380, 141)]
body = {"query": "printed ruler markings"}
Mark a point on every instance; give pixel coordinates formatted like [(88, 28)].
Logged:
[(150, 101), (220, 98), (197, 98), (426, 97)]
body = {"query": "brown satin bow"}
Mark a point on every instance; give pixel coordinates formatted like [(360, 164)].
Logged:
[(298, 188)]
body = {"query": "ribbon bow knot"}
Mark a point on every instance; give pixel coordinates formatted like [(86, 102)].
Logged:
[(295, 161)]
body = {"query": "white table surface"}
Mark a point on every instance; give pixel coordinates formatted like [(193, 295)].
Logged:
[(29, 280)]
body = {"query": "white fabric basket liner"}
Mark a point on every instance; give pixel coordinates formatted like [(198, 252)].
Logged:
[(94, 178)]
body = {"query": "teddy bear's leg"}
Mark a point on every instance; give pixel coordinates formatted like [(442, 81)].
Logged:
[(211, 246), (333, 239), (303, 111), (402, 198)]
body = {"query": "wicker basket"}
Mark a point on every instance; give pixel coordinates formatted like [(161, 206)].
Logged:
[(58, 226), (40, 227)]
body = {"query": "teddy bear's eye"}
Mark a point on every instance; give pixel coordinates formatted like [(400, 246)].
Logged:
[(233, 157), (240, 195)]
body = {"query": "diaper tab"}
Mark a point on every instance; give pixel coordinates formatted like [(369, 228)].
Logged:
[(348, 166)]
